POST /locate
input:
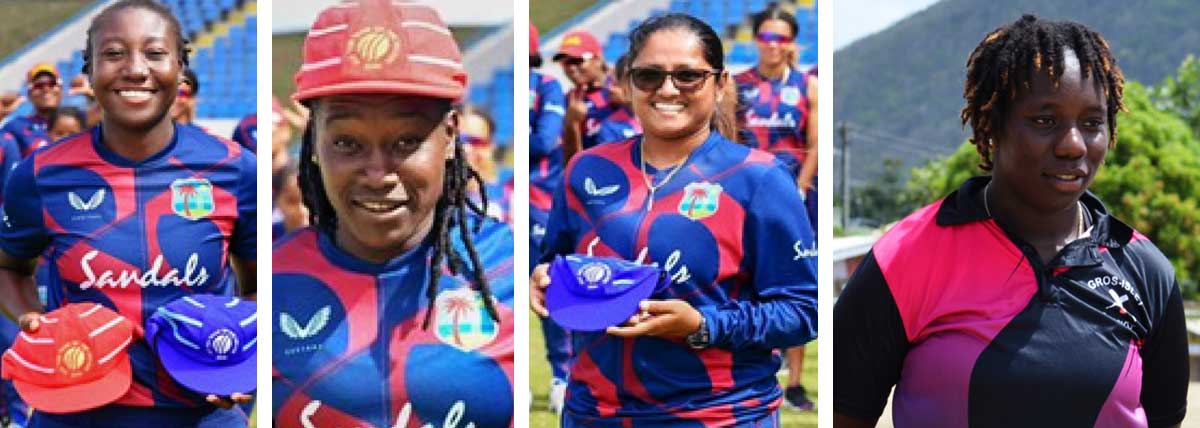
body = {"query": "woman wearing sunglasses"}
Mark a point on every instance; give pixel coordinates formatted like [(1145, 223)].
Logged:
[(724, 223), (778, 98)]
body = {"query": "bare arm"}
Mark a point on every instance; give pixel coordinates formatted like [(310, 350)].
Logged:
[(246, 277), (18, 292), (809, 169), (572, 133)]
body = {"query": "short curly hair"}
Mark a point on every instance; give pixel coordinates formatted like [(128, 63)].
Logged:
[(1004, 62)]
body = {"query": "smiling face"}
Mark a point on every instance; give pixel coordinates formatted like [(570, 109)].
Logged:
[(668, 113), (774, 53), (45, 93), (63, 126), (135, 68), (382, 161), (1053, 139), (583, 72)]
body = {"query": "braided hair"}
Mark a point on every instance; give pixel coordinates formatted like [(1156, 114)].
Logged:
[(181, 43), (451, 212), (1004, 62)]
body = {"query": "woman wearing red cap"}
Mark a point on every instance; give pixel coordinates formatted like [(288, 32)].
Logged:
[(395, 307), (722, 220), (135, 213)]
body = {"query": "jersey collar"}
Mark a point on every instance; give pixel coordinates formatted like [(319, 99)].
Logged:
[(965, 206), (116, 159), (417, 256)]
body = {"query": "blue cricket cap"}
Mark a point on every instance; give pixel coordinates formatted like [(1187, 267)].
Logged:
[(589, 293), (208, 343)]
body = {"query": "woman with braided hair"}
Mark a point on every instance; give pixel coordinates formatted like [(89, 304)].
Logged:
[(401, 280), (1019, 300)]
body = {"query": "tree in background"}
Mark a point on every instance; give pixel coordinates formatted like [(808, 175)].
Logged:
[(1181, 93), (1151, 179)]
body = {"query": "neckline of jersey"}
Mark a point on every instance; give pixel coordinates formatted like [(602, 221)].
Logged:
[(114, 158), (635, 154)]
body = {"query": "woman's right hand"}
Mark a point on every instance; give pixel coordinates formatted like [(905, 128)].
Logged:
[(30, 322), (538, 281)]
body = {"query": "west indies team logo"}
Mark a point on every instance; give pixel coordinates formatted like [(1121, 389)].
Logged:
[(192, 198), (462, 322), (373, 47), (74, 359), (790, 95), (700, 200)]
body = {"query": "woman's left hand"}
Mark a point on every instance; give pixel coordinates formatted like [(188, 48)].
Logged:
[(672, 319), (228, 402)]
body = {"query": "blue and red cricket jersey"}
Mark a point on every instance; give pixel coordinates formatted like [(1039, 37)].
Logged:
[(246, 132), (547, 105), (499, 194), (974, 330), (10, 154), (29, 131), (134, 235), (730, 230), (776, 114), (350, 351), (601, 110)]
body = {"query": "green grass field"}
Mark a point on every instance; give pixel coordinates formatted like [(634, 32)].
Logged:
[(35, 18), (539, 383)]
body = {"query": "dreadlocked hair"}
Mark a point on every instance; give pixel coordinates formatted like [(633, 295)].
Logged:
[(450, 213), (1002, 66), (181, 42)]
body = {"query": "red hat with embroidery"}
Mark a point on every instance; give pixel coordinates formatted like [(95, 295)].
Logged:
[(380, 47), (76, 360), (578, 44)]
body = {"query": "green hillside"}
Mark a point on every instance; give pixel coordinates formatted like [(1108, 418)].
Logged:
[(36, 17), (901, 88)]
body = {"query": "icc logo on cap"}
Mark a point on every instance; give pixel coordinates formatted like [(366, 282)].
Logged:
[(221, 343), (192, 198), (74, 359), (594, 274), (373, 47)]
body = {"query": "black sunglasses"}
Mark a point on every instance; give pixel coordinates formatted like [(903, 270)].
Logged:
[(650, 79)]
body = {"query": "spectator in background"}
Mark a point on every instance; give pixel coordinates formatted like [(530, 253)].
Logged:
[(477, 130), (45, 92), (66, 121), (547, 104), (777, 113), (184, 108), (620, 122), (582, 60), (246, 132)]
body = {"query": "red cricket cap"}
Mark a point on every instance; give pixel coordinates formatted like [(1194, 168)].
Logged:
[(578, 44), (76, 360), (533, 40), (380, 47)]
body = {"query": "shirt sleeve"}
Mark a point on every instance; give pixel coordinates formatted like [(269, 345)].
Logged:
[(1165, 366), (782, 258), (547, 126), (23, 232), (245, 230), (560, 235), (869, 343), (10, 155)]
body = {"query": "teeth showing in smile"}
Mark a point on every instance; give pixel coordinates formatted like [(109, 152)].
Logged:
[(668, 107), (134, 94), (379, 207), (1067, 177)]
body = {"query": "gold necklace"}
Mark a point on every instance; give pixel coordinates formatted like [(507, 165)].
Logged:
[(649, 182)]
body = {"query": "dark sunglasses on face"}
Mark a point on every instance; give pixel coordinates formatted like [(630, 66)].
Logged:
[(43, 85), (768, 37), (184, 93), (650, 79), (572, 61)]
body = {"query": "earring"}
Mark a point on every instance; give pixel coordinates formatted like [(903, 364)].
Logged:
[(991, 143), (314, 159)]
